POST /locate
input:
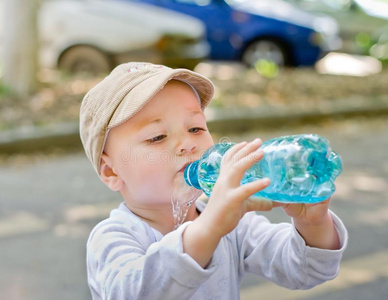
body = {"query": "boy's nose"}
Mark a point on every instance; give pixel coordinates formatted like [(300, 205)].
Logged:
[(186, 146), (184, 150)]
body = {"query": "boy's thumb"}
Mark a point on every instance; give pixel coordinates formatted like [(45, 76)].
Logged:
[(259, 204)]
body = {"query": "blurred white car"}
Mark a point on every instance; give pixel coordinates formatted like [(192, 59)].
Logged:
[(96, 35)]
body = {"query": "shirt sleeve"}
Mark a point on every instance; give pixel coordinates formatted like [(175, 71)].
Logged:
[(278, 253), (123, 264)]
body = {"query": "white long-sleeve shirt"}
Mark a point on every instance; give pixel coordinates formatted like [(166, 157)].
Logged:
[(127, 259)]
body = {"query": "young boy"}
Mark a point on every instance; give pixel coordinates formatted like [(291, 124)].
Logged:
[(140, 127)]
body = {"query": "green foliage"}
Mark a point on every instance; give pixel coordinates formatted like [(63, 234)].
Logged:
[(266, 68), (363, 40), (4, 90)]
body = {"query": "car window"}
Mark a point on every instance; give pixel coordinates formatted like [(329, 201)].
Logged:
[(194, 2)]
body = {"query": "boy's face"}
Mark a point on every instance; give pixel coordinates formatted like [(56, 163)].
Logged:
[(148, 152)]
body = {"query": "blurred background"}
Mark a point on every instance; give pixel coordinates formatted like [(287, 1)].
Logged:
[(279, 67)]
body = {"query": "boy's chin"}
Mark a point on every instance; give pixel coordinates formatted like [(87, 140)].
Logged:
[(182, 193)]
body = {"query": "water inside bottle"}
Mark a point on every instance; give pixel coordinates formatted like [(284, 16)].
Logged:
[(302, 169)]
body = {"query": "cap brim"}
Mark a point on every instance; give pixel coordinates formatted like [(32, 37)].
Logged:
[(142, 93)]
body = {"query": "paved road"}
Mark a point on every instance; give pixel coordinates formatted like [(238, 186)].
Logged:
[(49, 203)]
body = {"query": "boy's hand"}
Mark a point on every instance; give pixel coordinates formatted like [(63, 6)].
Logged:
[(228, 203), (230, 200), (311, 214), (314, 223)]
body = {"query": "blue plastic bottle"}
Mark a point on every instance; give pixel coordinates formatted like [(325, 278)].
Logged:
[(302, 169)]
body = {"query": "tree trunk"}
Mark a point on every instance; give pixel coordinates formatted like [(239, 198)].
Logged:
[(20, 46)]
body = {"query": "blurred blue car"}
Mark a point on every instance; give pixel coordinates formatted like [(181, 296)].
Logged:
[(249, 30)]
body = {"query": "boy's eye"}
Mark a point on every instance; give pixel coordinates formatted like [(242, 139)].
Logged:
[(156, 139), (196, 129)]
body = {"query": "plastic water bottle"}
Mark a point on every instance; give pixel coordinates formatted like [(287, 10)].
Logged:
[(302, 169)]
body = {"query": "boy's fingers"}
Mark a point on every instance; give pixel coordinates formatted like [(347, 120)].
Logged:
[(241, 157), (233, 150), (327, 201), (250, 160), (248, 189), (236, 148), (259, 204), (248, 149)]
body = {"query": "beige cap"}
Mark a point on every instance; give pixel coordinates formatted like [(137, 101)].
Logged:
[(122, 94)]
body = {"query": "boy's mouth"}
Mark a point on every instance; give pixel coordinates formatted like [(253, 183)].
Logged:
[(184, 166)]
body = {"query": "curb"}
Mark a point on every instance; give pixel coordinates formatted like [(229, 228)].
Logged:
[(234, 121), (42, 138), (66, 135)]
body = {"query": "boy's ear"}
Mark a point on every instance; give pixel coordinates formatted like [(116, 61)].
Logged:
[(108, 175)]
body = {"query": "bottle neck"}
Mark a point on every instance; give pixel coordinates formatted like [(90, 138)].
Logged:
[(191, 174)]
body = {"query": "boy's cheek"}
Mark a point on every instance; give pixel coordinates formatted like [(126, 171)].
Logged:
[(153, 190)]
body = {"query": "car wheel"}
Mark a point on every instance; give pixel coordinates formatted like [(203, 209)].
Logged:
[(264, 49), (84, 59)]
